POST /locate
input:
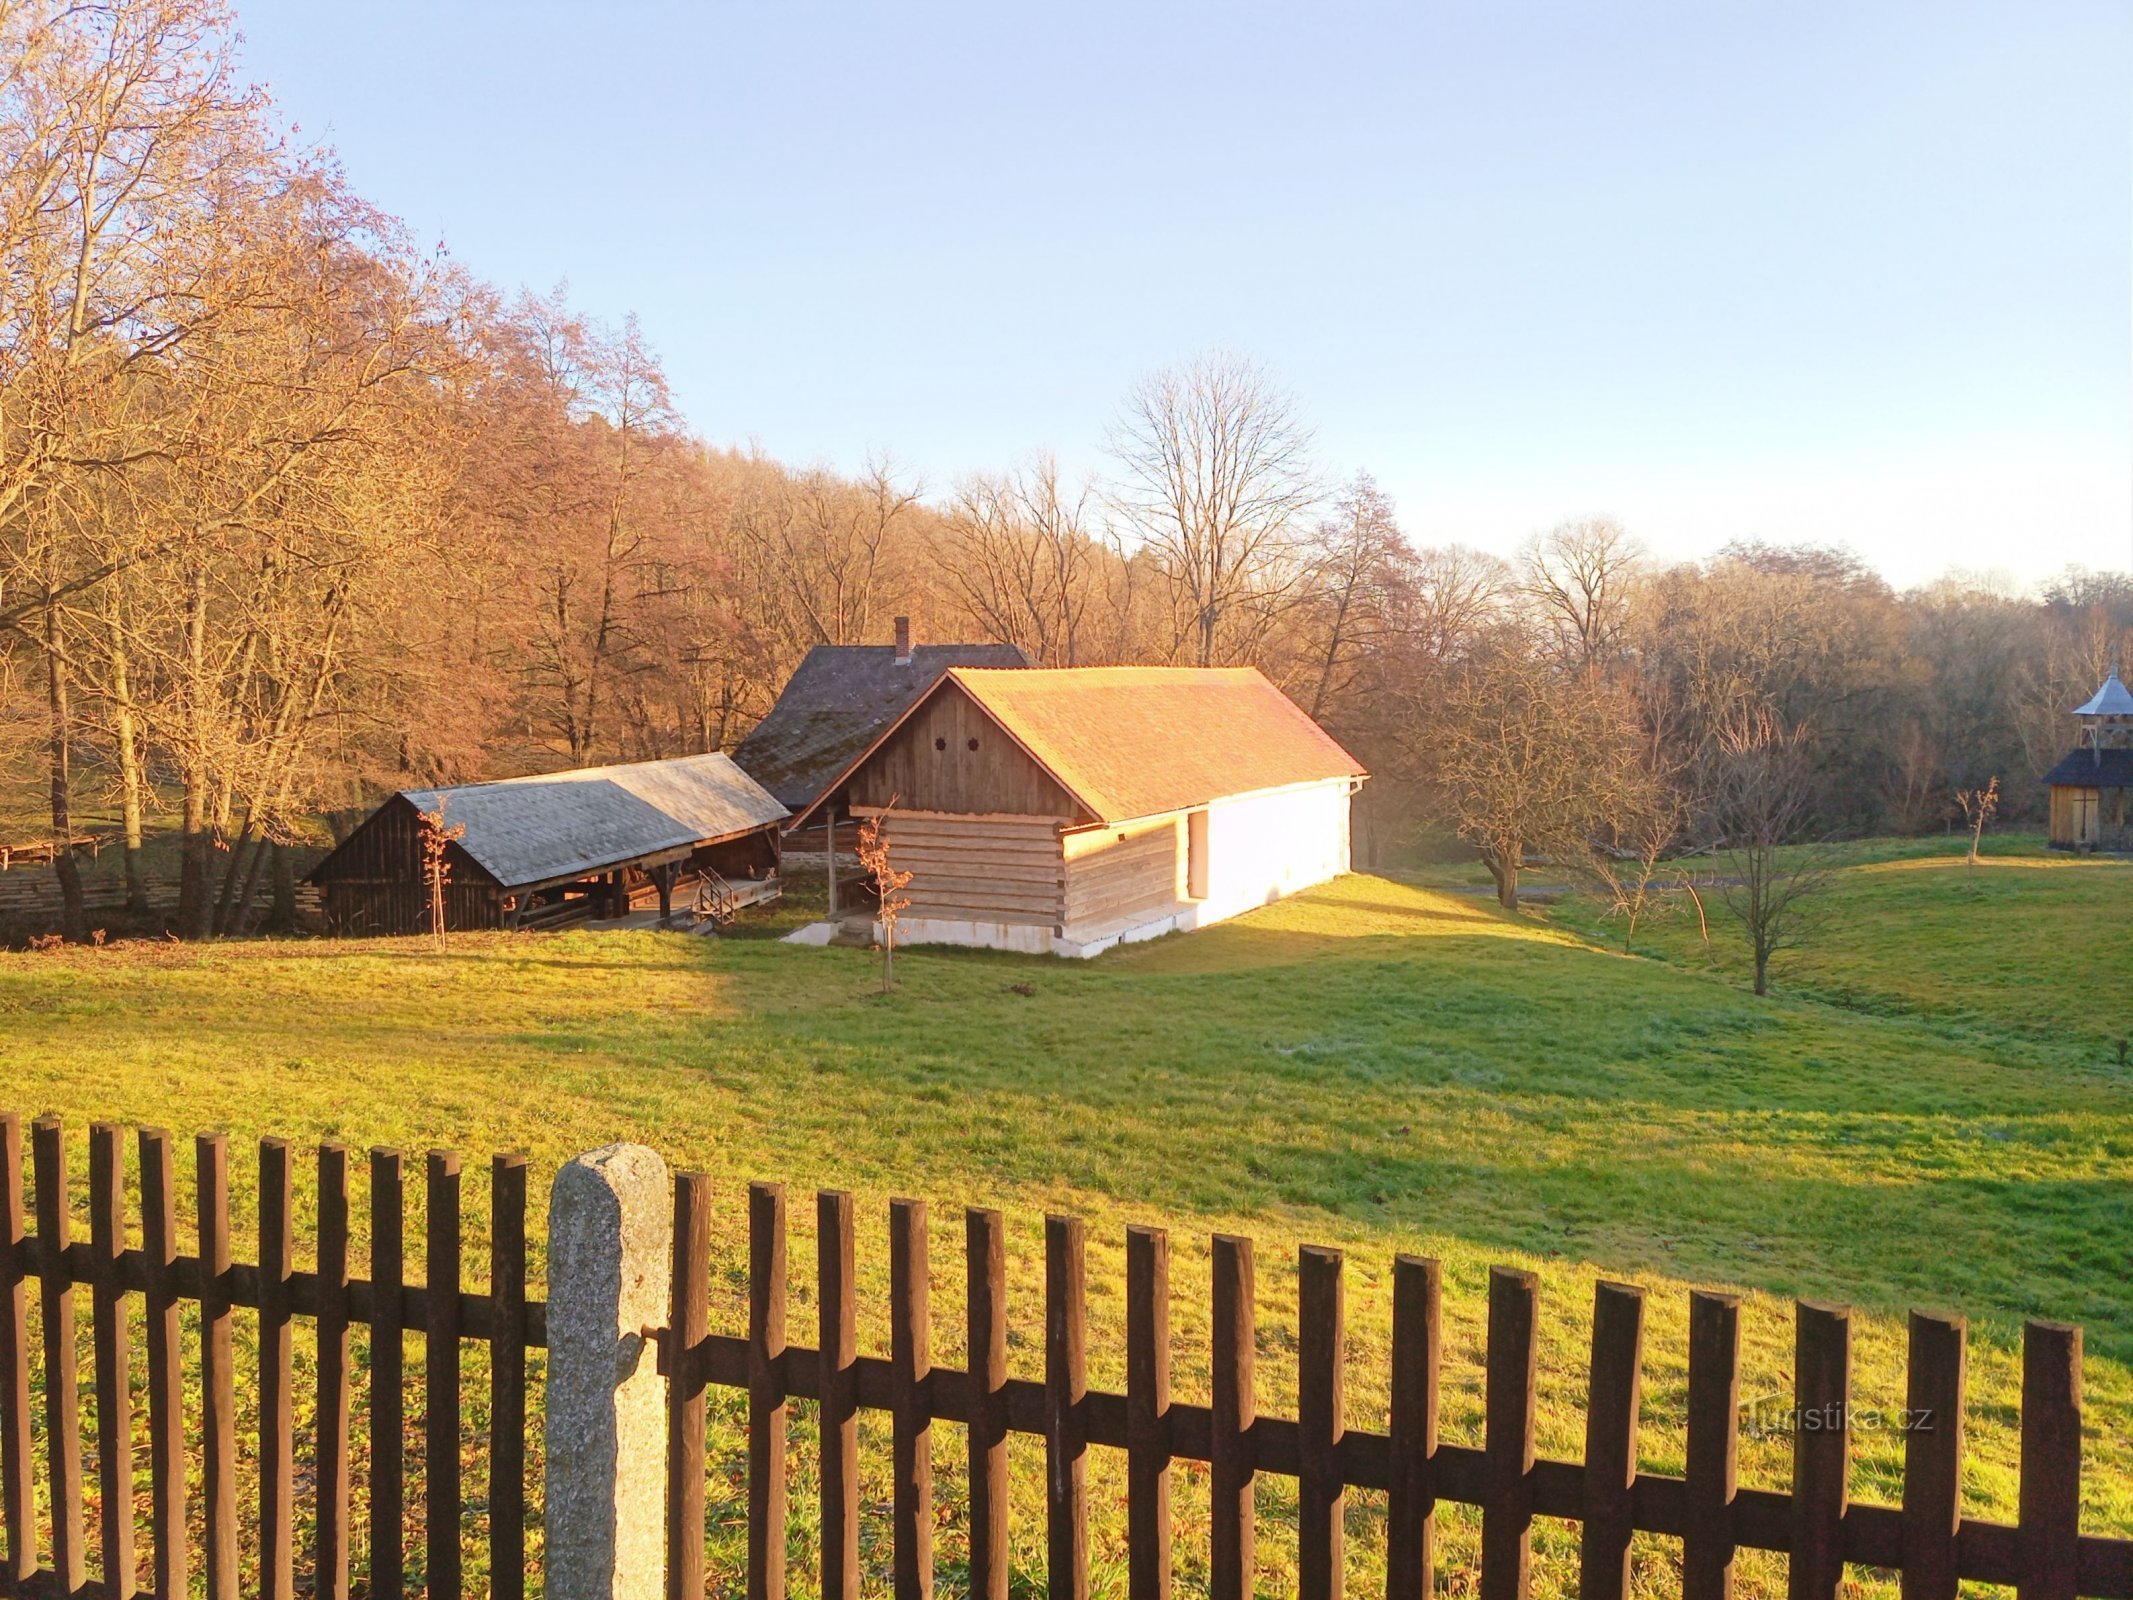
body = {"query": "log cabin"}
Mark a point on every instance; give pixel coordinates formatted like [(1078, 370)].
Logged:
[(562, 847), (2092, 787), (1065, 811)]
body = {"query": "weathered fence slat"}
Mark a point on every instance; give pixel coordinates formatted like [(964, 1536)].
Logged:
[(1066, 1426), (113, 1358), (1233, 1530), (507, 1379), (1411, 1500), (2050, 1493), (166, 1372), (688, 1319), (837, 1303), (388, 1395), (1322, 1505), (1507, 1504), (1713, 1465), (277, 1446), (62, 1397), (910, 1418), (218, 1385), (1821, 1449), (766, 1391), (440, 1385), (985, 1265), (17, 1490), (330, 1580), (1933, 1457), (1611, 1405), (1148, 1525)]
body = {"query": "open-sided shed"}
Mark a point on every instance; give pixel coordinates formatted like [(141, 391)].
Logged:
[(558, 846)]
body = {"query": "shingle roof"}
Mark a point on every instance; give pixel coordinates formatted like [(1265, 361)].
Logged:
[(1139, 741), (2114, 699), (561, 824), (2093, 769), (839, 701)]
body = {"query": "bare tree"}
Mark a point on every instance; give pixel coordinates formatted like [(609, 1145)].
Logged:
[(1578, 576), (1216, 480), (1759, 796)]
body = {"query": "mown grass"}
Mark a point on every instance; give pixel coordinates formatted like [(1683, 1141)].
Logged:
[(1373, 1065)]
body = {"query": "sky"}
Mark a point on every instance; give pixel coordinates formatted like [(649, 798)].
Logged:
[(1855, 273)]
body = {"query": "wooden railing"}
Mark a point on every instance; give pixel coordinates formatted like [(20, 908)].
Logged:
[(1926, 1539)]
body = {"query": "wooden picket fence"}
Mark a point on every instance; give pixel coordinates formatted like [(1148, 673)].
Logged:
[(1927, 1539)]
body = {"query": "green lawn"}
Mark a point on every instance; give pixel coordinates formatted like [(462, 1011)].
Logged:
[(1927, 1114)]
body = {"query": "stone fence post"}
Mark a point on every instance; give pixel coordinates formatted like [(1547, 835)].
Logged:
[(610, 1232)]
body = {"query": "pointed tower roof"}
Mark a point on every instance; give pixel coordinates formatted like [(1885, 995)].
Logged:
[(2114, 699)]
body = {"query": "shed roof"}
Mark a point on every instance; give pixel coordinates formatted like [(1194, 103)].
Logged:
[(557, 825), (1130, 742), (839, 701), (2092, 769), (2114, 699)]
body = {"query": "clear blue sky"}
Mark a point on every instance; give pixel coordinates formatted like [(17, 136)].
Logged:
[(1857, 272)]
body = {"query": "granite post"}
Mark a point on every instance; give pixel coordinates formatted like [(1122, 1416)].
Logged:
[(610, 1231)]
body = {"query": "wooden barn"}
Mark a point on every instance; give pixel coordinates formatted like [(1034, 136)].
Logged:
[(563, 847), (2092, 788), (1065, 811)]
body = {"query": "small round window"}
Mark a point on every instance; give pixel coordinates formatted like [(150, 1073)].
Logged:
[(940, 744), (973, 744)]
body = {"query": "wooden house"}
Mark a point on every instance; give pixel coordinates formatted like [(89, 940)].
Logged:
[(1066, 811), (561, 847), (838, 703), (2092, 788)]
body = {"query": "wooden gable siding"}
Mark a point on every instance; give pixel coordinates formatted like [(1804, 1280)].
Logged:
[(1118, 874), (979, 869), (929, 764), (373, 883)]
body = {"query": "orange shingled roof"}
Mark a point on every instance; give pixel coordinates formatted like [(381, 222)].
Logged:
[(1138, 741)]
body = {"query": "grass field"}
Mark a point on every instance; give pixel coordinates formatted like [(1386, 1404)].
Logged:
[(1929, 1113)]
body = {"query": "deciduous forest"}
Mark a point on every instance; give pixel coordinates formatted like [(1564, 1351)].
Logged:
[(294, 510)]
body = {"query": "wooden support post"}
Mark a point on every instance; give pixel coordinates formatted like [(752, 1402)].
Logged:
[(2050, 1493), (1507, 1476), (1933, 1457), (218, 1442), (330, 1582), (388, 1359), (277, 1430), (62, 1397), (1322, 1506), (766, 1391), (1148, 1413), (835, 1261), (507, 1378), (17, 1467), (166, 1375), (1233, 1529), (985, 1262), (1611, 1407), (1411, 1506), (829, 855), (688, 1319), (910, 1419), (113, 1357), (440, 1381), (1714, 1446), (1821, 1449), (1066, 1426)]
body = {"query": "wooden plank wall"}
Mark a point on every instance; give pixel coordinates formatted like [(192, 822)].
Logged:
[(984, 869), (930, 765), (1116, 873), (373, 882)]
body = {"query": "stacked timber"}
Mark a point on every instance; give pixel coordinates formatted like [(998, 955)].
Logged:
[(1120, 874)]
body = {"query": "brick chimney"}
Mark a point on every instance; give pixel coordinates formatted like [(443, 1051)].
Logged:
[(903, 641)]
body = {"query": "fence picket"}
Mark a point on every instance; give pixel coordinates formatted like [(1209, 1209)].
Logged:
[(330, 1574), (1148, 1525), (440, 1384), (1933, 1457), (766, 1391), (688, 1319), (2050, 1492), (1321, 1497), (113, 1357), (62, 1396), (985, 1265), (1821, 1449), (910, 1416), (388, 1395), (507, 1378), (218, 1386), (1233, 1530), (1411, 1500), (1507, 1496), (837, 1305), (17, 1489), (1611, 1406), (1714, 1446), (166, 1372), (1066, 1427), (277, 1440)]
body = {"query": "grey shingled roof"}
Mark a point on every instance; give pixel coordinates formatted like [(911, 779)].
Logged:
[(838, 702), (2093, 769), (561, 824), (2114, 699)]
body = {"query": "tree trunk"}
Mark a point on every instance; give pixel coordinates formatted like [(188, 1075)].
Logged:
[(126, 738), (1762, 969), (281, 917), (73, 913), (197, 846), (1505, 871)]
